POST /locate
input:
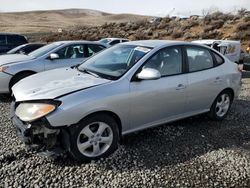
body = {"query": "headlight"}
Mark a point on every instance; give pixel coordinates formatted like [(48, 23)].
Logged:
[(33, 111), (3, 68)]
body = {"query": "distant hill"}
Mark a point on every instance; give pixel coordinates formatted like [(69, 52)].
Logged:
[(52, 20)]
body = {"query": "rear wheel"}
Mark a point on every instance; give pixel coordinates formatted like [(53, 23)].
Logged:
[(94, 138), (221, 106)]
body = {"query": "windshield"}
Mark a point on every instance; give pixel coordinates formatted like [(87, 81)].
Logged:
[(114, 62), (44, 50)]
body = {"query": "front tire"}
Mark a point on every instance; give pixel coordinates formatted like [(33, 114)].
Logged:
[(93, 138), (221, 106)]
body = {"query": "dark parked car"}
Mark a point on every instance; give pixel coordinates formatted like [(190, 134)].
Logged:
[(25, 48), (9, 41)]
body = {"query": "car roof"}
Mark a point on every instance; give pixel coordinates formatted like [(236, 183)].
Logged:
[(77, 41), (116, 38), (12, 34), (211, 41), (154, 43)]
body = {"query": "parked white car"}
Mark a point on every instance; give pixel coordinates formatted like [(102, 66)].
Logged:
[(230, 48)]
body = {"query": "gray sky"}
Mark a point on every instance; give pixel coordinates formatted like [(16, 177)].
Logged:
[(148, 7)]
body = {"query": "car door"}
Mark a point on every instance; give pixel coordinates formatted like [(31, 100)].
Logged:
[(204, 79), (156, 101), (69, 55)]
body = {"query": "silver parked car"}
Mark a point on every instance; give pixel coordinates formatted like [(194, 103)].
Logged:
[(129, 87), (15, 67)]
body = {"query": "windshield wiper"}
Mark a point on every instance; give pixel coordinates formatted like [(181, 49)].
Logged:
[(88, 72)]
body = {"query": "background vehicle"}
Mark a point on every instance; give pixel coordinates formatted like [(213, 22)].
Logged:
[(15, 67), (126, 88), (9, 41), (113, 41), (242, 56), (230, 48), (25, 48)]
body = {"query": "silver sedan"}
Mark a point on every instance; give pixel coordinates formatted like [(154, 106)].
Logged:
[(14, 67), (129, 87)]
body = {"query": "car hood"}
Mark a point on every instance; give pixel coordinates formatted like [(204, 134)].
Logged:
[(54, 83), (14, 58)]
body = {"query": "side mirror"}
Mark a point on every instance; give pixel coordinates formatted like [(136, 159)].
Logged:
[(53, 56), (149, 74), (246, 63)]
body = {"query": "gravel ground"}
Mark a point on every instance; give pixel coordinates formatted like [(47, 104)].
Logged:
[(194, 152)]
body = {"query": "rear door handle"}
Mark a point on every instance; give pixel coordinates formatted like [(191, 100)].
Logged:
[(180, 86)]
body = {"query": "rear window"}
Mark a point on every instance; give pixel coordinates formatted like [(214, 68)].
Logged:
[(16, 39)]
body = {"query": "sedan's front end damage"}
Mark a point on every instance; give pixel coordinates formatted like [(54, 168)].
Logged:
[(39, 134)]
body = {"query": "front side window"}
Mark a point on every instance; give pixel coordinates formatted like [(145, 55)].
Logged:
[(115, 61), (199, 59), (71, 52), (167, 61)]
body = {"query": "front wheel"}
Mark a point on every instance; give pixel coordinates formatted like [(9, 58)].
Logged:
[(221, 106), (94, 138)]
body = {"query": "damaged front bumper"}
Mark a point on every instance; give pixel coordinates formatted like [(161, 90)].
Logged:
[(40, 135)]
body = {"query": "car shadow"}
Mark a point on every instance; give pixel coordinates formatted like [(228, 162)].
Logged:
[(178, 142), (5, 98), (183, 140)]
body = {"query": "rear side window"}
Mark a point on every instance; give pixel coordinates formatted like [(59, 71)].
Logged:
[(16, 39), (115, 42), (94, 48), (218, 58), (2, 39), (199, 59), (29, 49)]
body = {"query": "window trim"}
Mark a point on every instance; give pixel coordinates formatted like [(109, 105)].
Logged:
[(210, 52), (181, 47)]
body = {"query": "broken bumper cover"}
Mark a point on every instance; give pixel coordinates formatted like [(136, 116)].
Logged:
[(40, 135)]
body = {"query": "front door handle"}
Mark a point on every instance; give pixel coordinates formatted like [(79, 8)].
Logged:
[(180, 86)]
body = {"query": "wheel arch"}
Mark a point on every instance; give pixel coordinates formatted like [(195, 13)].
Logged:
[(109, 113), (18, 74), (230, 90)]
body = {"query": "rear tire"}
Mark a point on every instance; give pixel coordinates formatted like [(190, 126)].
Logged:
[(93, 138), (221, 106)]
